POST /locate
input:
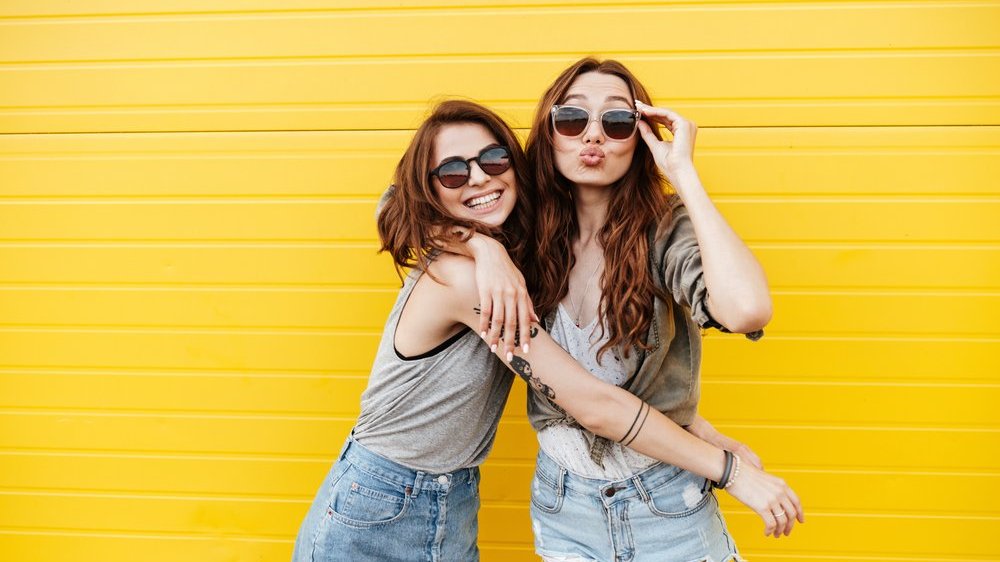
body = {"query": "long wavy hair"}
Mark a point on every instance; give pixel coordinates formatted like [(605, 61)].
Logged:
[(413, 223), (638, 203)]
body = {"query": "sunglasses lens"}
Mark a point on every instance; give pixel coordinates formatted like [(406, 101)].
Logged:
[(495, 161), (619, 124), (453, 174), (570, 121)]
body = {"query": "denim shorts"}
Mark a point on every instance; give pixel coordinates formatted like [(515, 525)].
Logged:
[(663, 513), (370, 508)]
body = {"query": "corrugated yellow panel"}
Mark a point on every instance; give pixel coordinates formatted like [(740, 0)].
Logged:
[(862, 357), (161, 472), (694, 29), (783, 358), (263, 350), (861, 403), (49, 8), (781, 162), (759, 219), (917, 313), (229, 307), (789, 265), (125, 546), (801, 446), (336, 94), (324, 395), (190, 297)]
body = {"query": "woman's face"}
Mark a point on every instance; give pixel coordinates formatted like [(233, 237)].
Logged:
[(484, 198), (593, 159)]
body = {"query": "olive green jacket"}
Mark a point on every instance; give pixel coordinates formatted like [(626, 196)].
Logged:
[(668, 373)]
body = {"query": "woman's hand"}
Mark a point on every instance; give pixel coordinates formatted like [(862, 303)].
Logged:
[(670, 156), (505, 307), (770, 497)]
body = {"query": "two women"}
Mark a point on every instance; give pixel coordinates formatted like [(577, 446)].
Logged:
[(405, 485)]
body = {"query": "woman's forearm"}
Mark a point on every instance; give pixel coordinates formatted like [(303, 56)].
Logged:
[(739, 297), (612, 412)]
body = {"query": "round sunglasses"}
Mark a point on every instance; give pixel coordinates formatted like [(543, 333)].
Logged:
[(571, 121), (454, 172)]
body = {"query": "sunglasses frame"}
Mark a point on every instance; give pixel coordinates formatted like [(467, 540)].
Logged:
[(600, 119), (436, 172)]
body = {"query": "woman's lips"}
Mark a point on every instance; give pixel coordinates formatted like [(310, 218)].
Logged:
[(592, 156)]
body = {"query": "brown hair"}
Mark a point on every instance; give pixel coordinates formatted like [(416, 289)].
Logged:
[(413, 222), (637, 203)]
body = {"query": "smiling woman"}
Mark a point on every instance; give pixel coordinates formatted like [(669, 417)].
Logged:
[(464, 182)]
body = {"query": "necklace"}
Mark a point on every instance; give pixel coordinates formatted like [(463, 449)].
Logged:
[(583, 297)]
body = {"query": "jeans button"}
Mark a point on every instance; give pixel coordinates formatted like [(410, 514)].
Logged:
[(442, 479), (609, 492)]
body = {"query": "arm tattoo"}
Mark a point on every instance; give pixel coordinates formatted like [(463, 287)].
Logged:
[(517, 334), (644, 413), (523, 369)]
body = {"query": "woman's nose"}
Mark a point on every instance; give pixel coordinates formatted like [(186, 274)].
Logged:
[(594, 133), (476, 174)]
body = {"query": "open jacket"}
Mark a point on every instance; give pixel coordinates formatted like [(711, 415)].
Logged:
[(668, 373)]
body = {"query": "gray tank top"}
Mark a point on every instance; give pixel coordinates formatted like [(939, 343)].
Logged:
[(436, 412)]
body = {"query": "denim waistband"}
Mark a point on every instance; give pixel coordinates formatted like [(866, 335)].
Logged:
[(638, 485), (394, 473)]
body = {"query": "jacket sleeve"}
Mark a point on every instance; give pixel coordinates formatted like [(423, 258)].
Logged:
[(683, 276)]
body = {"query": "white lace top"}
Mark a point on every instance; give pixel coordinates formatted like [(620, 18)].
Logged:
[(567, 445)]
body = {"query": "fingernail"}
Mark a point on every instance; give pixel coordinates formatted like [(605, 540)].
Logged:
[(637, 102), (510, 357), (482, 335), (525, 348), (493, 348)]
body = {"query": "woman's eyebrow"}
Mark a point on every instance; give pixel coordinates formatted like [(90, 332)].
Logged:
[(606, 100)]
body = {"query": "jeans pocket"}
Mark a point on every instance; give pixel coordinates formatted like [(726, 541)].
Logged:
[(546, 495), (362, 500), (678, 497)]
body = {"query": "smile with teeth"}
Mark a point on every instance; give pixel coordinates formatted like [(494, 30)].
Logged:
[(484, 202)]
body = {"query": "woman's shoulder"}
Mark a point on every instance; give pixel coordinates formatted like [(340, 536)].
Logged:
[(453, 274)]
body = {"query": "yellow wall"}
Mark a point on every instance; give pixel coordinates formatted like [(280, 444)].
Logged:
[(190, 298)]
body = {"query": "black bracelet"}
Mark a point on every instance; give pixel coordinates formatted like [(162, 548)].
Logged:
[(638, 429), (631, 427), (725, 472)]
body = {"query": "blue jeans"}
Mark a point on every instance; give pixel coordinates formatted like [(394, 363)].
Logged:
[(662, 513), (370, 508)]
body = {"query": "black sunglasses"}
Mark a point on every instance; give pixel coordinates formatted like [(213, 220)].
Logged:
[(494, 160), (572, 121)]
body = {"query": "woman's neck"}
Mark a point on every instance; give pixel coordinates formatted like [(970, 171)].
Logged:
[(591, 210)]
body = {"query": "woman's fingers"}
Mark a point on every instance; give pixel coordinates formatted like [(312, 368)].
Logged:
[(524, 314), (485, 312), (496, 323), (790, 515), (770, 523), (509, 324), (659, 114), (647, 134), (800, 514)]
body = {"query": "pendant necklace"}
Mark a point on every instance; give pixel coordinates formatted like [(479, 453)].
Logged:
[(583, 297)]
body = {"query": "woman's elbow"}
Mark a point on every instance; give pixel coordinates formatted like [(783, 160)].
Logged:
[(601, 415), (752, 316)]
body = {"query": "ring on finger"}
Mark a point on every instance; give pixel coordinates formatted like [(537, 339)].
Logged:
[(781, 514)]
